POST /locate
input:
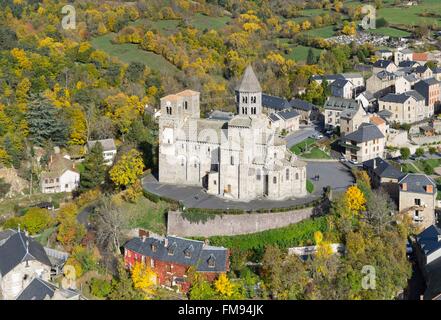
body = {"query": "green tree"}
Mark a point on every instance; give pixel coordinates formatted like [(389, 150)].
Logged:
[(419, 152), (405, 153), (94, 168), (36, 220), (122, 286), (46, 123), (310, 59)]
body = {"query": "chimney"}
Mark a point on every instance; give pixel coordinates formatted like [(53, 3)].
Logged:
[(375, 163), (404, 186), (429, 188), (439, 237), (143, 238), (166, 242), (142, 233)]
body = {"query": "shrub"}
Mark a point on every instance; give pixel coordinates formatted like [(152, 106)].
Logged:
[(100, 288), (36, 220)]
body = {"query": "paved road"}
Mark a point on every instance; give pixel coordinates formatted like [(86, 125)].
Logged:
[(83, 216), (300, 135), (332, 174)]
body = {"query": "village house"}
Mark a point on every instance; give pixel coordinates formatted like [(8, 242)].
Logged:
[(109, 149), (366, 143), (402, 55), (417, 197), (61, 175), (343, 89), (382, 83), (26, 269), (367, 101), (170, 258), (420, 57), (272, 104), (383, 175), (430, 89), (384, 54), (285, 121), (428, 254), (356, 79), (384, 65), (308, 111), (334, 106), (350, 120), (406, 107), (423, 72)]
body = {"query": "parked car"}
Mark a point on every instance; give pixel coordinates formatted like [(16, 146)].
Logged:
[(353, 161), (342, 159)]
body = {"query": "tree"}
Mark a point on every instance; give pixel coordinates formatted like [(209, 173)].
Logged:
[(419, 152), (144, 278), (311, 57), (94, 168), (122, 286), (36, 220), (355, 199), (432, 150), (135, 71), (110, 222), (379, 210), (127, 169), (46, 122), (70, 232), (405, 153)]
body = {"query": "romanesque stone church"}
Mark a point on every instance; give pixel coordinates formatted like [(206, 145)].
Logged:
[(240, 157)]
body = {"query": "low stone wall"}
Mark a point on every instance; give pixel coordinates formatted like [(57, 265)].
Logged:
[(234, 224), (426, 139)]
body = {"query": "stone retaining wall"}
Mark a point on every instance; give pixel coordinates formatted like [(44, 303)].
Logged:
[(234, 224)]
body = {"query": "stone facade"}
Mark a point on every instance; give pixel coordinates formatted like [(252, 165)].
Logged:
[(241, 158)]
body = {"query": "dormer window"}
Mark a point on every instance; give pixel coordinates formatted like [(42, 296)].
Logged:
[(154, 247), (171, 249), (189, 251), (211, 261)]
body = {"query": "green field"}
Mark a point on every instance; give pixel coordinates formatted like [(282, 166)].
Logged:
[(146, 214), (131, 53), (300, 53), (410, 15), (391, 32), (203, 22), (297, 148), (325, 32), (315, 153)]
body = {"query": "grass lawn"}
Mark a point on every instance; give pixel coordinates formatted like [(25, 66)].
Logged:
[(9, 206), (147, 215), (325, 32), (131, 53), (309, 186), (315, 153), (391, 32), (44, 236), (203, 22), (300, 53), (410, 15), (297, 147), (165, 27)]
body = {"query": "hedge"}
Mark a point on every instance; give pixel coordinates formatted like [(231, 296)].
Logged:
[(298, 234)]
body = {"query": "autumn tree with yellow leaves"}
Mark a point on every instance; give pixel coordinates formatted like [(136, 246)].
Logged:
[(144, 278), (127, 170), (355, 199)]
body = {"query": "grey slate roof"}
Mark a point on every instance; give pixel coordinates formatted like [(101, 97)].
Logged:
[(386, 75), (300, 104), (382, 63), (401, 97), (337, 103), (19, 248), (249, 82), (416, 182), (366, 132), (384, 113), (412, 78), (328, 77), (288, 114), (382, 168), (407, 64), (421, 69), (38, 289), (429, 82), (368, 95), (108, 144), (275, 103), (175, 252), (273, 117), (340, 83), (428, 240)]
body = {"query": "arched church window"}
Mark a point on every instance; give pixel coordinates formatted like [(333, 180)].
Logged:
[(185, 105), (274, 180), (297, 176), (232, 160), (287, 174), (258, 176)]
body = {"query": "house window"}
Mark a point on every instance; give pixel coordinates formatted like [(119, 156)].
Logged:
[(297, 176), (171, 249), (153, 247), (214, 182), (417, 202), (274, 180), (232, 160), (258, 176), (152, 263), (188, 251), (66, 186), (211, 261)]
